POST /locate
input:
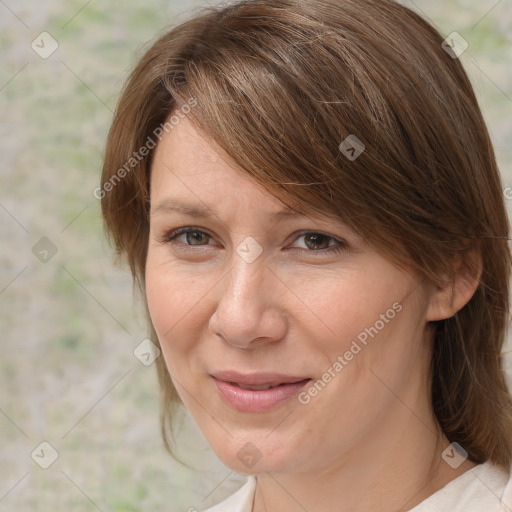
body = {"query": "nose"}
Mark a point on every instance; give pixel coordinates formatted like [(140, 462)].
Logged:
[(248, 313)]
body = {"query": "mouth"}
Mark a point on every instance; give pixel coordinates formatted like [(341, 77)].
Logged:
[(257, 392), (263, 387)]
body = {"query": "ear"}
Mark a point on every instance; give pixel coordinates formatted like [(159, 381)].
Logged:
[(454, 294)]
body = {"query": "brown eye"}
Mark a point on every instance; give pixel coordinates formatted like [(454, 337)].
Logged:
[(319, 243), (316, 241)]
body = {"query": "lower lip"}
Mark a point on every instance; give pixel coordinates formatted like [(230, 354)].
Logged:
[(247, 400)]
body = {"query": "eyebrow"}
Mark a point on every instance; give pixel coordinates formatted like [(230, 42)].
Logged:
[(176, 205)]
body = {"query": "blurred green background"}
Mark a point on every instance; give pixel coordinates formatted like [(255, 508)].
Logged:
[(69, 325)]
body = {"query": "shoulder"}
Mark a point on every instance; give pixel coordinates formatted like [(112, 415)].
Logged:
[(506, 498), (240, 501), (484, 488), (490, 488)]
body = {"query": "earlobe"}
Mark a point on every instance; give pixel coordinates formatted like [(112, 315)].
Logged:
[(452, 296)]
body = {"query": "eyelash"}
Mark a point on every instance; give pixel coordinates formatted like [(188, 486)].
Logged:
[(339, 247)]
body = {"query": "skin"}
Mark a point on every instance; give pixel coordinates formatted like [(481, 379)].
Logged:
[(369, 439)]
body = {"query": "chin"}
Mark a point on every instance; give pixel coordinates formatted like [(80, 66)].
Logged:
[(252, 455)]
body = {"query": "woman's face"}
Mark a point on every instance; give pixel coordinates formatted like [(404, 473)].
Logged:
[(254, 296)]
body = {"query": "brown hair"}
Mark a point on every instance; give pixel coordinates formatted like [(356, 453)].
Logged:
[(277, 85)]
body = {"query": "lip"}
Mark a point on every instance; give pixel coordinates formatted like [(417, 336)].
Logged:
[(248, 400)]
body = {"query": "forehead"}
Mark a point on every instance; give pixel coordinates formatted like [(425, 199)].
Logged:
[(191, 175), (188, 163)]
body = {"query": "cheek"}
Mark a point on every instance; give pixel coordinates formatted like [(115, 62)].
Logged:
[(172, 304), (353, 305), (376, 325), (161, 306), (174, 294), (174, 301)]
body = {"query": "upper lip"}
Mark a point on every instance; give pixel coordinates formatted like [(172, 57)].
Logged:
[(256, 379)]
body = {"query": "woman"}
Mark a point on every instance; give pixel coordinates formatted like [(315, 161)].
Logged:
[(308, 197)]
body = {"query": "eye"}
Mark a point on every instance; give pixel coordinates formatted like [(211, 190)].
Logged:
[(314, 242), (321, 243), (191, 236)]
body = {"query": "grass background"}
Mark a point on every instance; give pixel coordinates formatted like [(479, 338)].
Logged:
[(68, 327)]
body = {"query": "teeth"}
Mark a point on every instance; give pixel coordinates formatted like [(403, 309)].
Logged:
[(262, 387)]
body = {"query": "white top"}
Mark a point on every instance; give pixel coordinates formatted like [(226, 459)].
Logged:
[(484, 488)]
